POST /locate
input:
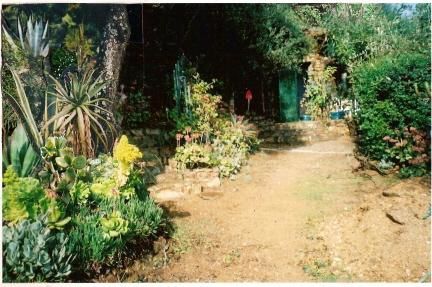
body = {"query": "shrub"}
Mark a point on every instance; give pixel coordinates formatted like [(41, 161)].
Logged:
[(99, 234), (393, 95), (194, 155), (212, 138), (146, 219), (34, 253), (320, 93)]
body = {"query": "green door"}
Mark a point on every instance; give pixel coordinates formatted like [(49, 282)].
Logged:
[(288, 100)]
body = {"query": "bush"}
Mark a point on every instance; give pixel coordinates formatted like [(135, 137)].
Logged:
[(88, 240), (34, 253), (208, 137), (393, 95), (99, 234)]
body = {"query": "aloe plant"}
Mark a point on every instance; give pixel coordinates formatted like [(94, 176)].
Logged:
[(35, 39), (19, 153), (81, 111)]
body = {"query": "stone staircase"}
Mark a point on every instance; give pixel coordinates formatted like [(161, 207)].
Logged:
[(299, 133)]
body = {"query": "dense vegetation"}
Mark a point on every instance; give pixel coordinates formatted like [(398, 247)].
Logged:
[(74, 192), (73, 200)]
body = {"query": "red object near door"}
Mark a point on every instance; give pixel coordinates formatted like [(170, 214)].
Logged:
[(248, 95)]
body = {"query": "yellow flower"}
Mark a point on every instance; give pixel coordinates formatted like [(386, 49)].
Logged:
[(126, 154)]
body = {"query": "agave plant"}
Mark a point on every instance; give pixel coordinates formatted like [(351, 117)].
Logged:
[(35, 41), (19, 153), (80, 111)]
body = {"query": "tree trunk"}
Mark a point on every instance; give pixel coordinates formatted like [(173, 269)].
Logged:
[(115, 38)]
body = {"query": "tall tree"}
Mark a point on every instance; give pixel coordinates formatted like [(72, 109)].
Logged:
[(115, 38)]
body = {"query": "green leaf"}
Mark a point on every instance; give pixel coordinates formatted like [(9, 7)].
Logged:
[(70, 174), (61, 162), (79, 162)]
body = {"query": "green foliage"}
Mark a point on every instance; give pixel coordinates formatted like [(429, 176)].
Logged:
[(21, 106), (88, 241), (105, 189), (233, 145), (202, 114), (15, 58), (56, 216), (194, 155), (272, 34), (212, 138), (61, 59), (34, 253), (320, 94), (34, 40), (19, 153), (80, 193), (358, 32), (81, 111), (114, 225), (76, 42), (99, 234), (409, 150), (62, 168), (146, 219), (136, 112), (23, 197), (394, 95)]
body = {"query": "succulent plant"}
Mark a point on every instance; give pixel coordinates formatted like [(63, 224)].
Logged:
[(33, 253), (55, 216), (35, 39), (19, 153), (114, 225), (23, 197), (61, 165), (80, 192)]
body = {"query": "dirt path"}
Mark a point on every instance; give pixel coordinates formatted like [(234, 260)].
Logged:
[(263, 225)]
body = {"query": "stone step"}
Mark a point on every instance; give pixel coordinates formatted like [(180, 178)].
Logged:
[(177, 185)]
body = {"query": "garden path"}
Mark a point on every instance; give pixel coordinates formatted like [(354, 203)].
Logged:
[(264, 226)]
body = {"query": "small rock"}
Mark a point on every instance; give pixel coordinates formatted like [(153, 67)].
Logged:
[(196, 188), (399, 216), (215, 182), (168, 195), (390, 194), (247, 178), (210, 194), (161, 177)]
